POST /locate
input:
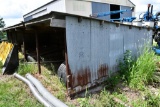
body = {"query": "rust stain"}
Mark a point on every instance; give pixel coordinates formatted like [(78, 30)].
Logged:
[(82, 78), (102, 71), (70, 78)]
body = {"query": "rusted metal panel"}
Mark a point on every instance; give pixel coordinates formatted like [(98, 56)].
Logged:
[(99, 50), (94, 49), (78, 47)]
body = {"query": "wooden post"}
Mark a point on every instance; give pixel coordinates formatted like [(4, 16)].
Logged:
[(37, 51), (67, 65), (24, 41), (24, 46), (15, 37)]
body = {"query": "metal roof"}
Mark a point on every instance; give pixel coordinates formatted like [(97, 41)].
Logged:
[(40, 7), (57, 15)]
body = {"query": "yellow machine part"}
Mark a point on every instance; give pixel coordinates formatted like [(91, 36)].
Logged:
[(5, 49)]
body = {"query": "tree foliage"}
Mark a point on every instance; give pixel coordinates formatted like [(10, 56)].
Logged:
[(2, 23)]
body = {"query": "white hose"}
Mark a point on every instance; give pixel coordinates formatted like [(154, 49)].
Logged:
[(33, 90), (44, 92)]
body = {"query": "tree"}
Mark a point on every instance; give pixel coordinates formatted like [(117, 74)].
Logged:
[(2, 23)]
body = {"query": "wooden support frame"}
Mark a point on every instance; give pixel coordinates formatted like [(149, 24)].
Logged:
[(24, 42), (24, 46), (37, 51), (67, 65)]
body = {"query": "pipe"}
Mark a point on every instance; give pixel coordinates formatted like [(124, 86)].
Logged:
[(152, 10), (44, 92), (149, 5), (33, 90), (29, 58), (158, 14)]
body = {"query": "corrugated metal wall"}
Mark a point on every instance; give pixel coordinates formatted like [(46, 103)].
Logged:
[(94, 49), (101, 7), (126, 14)]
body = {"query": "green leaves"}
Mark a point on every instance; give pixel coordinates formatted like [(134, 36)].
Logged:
[(138, 72), (2, 23)]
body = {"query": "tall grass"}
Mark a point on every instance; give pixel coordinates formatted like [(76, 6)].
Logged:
[(26, 68), (139, 72), (143, 69)]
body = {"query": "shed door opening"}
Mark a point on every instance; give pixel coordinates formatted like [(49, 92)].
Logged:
[(115, 8)]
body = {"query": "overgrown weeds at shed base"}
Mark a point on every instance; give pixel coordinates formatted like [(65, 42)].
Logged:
[(137, 73)]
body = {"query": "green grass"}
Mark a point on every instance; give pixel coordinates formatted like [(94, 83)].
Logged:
[(13, 93), (27, 68), (143, 69), (51, 82), (104, 99), (148, 100), (137, 73)]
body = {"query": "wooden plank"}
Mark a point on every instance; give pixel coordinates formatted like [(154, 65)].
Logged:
[(38, 54), (58, 23)]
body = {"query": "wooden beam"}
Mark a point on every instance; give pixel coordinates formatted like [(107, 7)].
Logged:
[(24, 46), (58, 23), (37, 51)]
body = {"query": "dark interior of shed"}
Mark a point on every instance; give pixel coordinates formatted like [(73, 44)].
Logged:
[(115, 8), (51, 45)]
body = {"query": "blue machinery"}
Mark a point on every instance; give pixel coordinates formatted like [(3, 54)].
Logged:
[(147, 17), (102, 14), (150, 17)]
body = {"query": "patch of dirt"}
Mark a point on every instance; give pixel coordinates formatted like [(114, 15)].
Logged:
[(129, 93), (4, 78), (154, 90)]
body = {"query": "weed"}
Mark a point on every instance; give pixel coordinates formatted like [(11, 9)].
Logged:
[(156, 77), (105, 99), (84, 102), (149, 100), (126, 64), (153, 100), (112, 81), (142, 71), (120, 96), (26, 68)]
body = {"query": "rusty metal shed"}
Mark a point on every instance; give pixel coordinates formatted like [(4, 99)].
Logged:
[(90, 47)]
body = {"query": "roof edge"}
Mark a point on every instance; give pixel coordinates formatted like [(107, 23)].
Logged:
[(131, 2), (40, 7)]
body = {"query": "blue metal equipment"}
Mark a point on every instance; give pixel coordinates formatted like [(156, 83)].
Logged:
[(102, 14), (126, 19), (150, 17)]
